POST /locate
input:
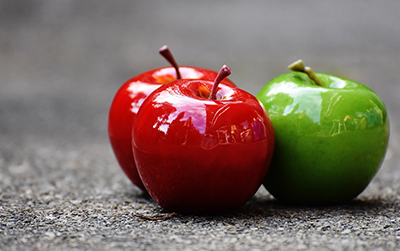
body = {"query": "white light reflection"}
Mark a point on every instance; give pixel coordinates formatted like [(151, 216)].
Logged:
[(183, 110), (137, 88), (303, 98)]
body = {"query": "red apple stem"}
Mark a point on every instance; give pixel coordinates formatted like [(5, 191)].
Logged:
[(299, 66), (223, 73), (166, 53)]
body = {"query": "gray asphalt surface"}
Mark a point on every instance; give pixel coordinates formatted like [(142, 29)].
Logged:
[(61, 63)]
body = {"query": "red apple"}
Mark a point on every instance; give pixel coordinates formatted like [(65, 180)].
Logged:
[(130, 97), (201, 146)]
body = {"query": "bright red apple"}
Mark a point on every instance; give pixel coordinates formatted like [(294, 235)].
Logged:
[(201, 146), (129, 98)]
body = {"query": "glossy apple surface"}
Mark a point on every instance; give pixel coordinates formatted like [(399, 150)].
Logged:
[(330, 140), (197, 155), (127, 102)]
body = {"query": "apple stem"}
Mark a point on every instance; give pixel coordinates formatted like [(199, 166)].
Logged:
[(299, 66), (223, 73), (166, 53)]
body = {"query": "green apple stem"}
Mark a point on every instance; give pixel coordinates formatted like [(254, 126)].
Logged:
[(299, 66), (166, 53), (223, 73)]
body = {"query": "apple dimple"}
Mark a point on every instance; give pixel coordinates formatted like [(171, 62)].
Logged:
[(201, 89), (329, 81), (203, 92), (168, 74)]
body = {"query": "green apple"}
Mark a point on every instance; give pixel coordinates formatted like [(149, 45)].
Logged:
[(331, 136)]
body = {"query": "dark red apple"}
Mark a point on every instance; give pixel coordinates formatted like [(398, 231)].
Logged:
[(201, 146), (130, 97)]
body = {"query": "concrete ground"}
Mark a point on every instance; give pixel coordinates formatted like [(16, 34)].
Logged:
[(61, 63)]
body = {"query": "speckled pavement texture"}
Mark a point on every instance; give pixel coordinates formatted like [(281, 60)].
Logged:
[(61, 63)]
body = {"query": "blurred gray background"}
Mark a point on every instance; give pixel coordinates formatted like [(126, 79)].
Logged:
[(62, 61)]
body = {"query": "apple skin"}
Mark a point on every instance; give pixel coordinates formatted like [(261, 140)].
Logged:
[(127, 102), (330, 140), (197, 155)]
